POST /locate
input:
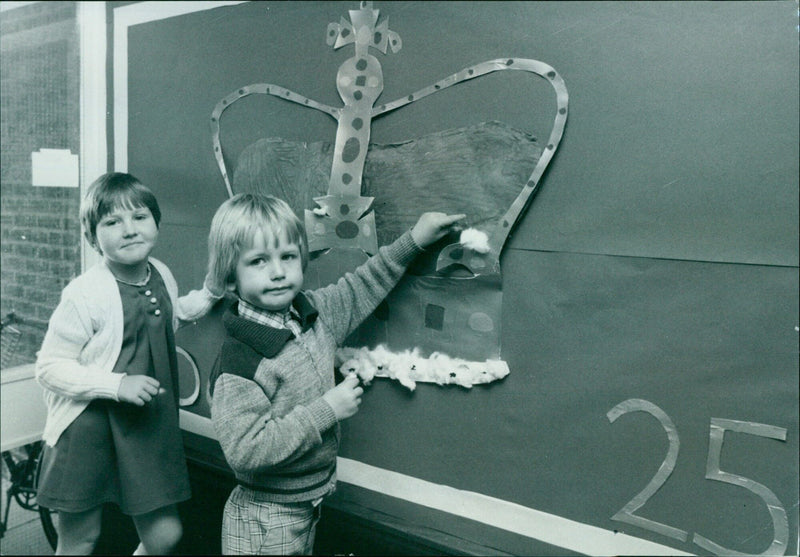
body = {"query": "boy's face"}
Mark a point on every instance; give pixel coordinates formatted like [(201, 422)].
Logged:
[(269, 273)]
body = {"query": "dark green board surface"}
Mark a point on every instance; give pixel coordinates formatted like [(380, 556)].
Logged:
[(658, 261)]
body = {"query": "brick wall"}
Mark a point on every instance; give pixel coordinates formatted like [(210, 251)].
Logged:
[(39, 226)]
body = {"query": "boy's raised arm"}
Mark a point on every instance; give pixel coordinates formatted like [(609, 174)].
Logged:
[(345, 304)]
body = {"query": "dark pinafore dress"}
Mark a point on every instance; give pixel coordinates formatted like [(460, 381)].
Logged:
[(116, 452)]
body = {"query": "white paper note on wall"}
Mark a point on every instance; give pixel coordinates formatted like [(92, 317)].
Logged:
[(54, 167)]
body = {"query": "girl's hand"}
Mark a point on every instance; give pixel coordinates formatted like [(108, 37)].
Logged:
[(432, 226), (345, 397), (138, 389)]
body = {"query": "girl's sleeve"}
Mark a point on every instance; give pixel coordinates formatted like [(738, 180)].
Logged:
[(196, 304), (58, 366), (191, 306), (345, 304), (252, 438)]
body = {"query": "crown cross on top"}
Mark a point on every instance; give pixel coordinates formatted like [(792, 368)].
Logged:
[(363, 32)]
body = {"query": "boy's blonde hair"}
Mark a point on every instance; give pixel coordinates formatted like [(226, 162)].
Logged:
[(111, 191), (235, 225)]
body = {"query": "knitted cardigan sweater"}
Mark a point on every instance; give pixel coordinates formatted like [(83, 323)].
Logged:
[(84, 339), (278, 434)]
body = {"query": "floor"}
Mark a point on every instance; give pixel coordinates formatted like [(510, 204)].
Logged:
[(24, 535)]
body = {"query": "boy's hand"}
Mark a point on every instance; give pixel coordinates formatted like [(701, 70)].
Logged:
[(432, 226), (345, 397), (139, 389)]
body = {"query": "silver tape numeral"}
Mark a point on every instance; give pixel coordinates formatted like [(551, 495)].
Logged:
[(625, 514), (718, 428), (780, 522)]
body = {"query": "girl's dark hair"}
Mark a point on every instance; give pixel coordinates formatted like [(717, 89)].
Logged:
[(111, 191)]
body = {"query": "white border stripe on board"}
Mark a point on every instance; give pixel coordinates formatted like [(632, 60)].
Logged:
[(549, 528), (538, 525), (125, 17), (142, 12)]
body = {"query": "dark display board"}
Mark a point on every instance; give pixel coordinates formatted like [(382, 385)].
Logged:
[(658, 264)]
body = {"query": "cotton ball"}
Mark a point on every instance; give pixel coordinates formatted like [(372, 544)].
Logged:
[(344, 353), (320, 211), (419, 365), (439, 368), (366, 368), (475, 239), (400, 368), (462, 375), (354, 360), (497, 368), (380, 357), (488, 371), (350, 367), (403, 375)]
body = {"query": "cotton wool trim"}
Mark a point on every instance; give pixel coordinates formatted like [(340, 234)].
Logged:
[(409, 367)]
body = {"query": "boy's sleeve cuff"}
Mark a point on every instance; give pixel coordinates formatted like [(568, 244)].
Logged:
[(322, 414), (404, 249)]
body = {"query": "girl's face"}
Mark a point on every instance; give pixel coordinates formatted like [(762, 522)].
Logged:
[(126, 236), (269, 274)]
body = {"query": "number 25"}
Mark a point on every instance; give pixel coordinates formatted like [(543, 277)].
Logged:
[(780, 521)]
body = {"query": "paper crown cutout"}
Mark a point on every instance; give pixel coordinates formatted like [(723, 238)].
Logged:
[(448, 304)]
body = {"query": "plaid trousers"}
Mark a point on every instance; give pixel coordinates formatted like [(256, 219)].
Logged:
[(251, 525)]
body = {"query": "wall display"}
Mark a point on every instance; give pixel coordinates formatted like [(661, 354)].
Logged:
[(451, 309), (644, 304)]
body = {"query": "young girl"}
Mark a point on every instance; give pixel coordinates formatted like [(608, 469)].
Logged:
[(109, 371)]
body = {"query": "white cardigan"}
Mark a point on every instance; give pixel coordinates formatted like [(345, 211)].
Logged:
[(84, 339)]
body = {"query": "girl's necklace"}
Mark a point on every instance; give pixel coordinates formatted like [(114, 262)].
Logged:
[(140, 283)]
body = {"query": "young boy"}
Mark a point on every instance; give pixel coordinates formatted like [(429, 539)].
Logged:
[(274, 405)]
